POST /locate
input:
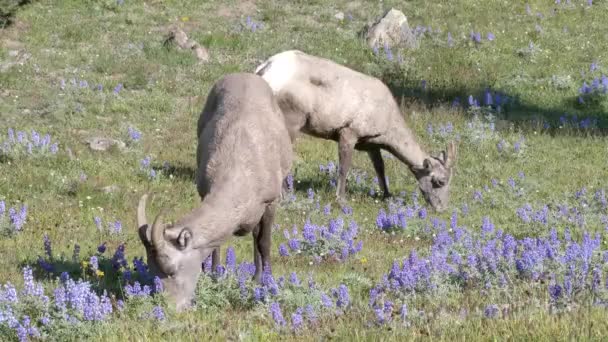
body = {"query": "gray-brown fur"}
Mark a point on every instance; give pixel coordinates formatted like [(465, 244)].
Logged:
[(244, 154), (324, 99)]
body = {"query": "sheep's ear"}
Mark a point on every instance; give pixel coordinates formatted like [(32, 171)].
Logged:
[(450, 158), (184, 239)]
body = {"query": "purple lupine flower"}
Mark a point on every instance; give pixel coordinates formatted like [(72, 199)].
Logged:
[(388, 52), (93, 261), (230, 259), (326, 301), (47, 246), (450, 40), (283, 250), (311, 194), (102, 248), (491, 36), (308, 232), (477, 196), (134, 134), (97, 221), (294, 244), (422, 214), (158, 313), (118, 260), (343, 298), (117, 227), (297, 320), (311, 315), (487, 97), (277, 315), (491, 311), (293, 279), (118, 88)]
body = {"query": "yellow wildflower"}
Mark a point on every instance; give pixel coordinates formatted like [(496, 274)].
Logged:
[(364, 260), (99, 273), (85, 264), (185, 19)]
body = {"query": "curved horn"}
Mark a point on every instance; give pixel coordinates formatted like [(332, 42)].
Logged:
[(158, 232), (141, 211)]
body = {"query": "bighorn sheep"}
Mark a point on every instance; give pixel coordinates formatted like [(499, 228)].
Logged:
[(327, 100), (244, 153)]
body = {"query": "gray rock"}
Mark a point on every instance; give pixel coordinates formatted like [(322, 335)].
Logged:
[(393, 30), (104, 144), (339, 16)]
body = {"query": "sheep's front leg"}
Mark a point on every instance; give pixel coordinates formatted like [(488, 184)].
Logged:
[(257, 258), (378, 163), (346, 146), (215, 259), (262, 236)]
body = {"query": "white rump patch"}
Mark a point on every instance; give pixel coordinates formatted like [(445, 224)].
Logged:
[(280, 71)]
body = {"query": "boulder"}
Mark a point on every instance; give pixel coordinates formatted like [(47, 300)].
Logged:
[(392, 30)]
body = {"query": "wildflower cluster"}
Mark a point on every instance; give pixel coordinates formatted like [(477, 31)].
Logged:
[(333, 242), (12, 219), (113, 227), (29, 313), (133, 135), (20, 143), (253, 25), (232, 284), (597, 86), (75, 84), (460, 259), (146, 168)]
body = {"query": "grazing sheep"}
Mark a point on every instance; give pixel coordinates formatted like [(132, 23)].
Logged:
[(244, 154), (327, 100)]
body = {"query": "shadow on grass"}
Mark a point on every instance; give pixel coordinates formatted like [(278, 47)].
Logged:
[(592, 116), (177, 170), (8, 8), (112, 278)]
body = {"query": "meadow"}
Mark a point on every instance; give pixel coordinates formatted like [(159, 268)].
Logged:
[(521, 253)]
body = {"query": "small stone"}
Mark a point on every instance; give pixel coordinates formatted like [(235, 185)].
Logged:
[(339, 16), (104, 144), (201, 53), (182, 41), (13, 53), (110, 189)]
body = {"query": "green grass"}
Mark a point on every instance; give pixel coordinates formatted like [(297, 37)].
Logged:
[(164, 90)]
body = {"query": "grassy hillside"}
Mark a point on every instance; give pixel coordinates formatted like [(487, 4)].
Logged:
[(515, 257)]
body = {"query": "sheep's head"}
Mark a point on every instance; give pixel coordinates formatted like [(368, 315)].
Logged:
[(434, 178), (171, 256)]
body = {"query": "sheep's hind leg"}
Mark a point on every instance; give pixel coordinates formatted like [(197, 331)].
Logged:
[(376, 156), (346, 146), (262, 241)]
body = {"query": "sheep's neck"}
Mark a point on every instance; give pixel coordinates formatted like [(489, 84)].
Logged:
[(213, 221), (403, 145)]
